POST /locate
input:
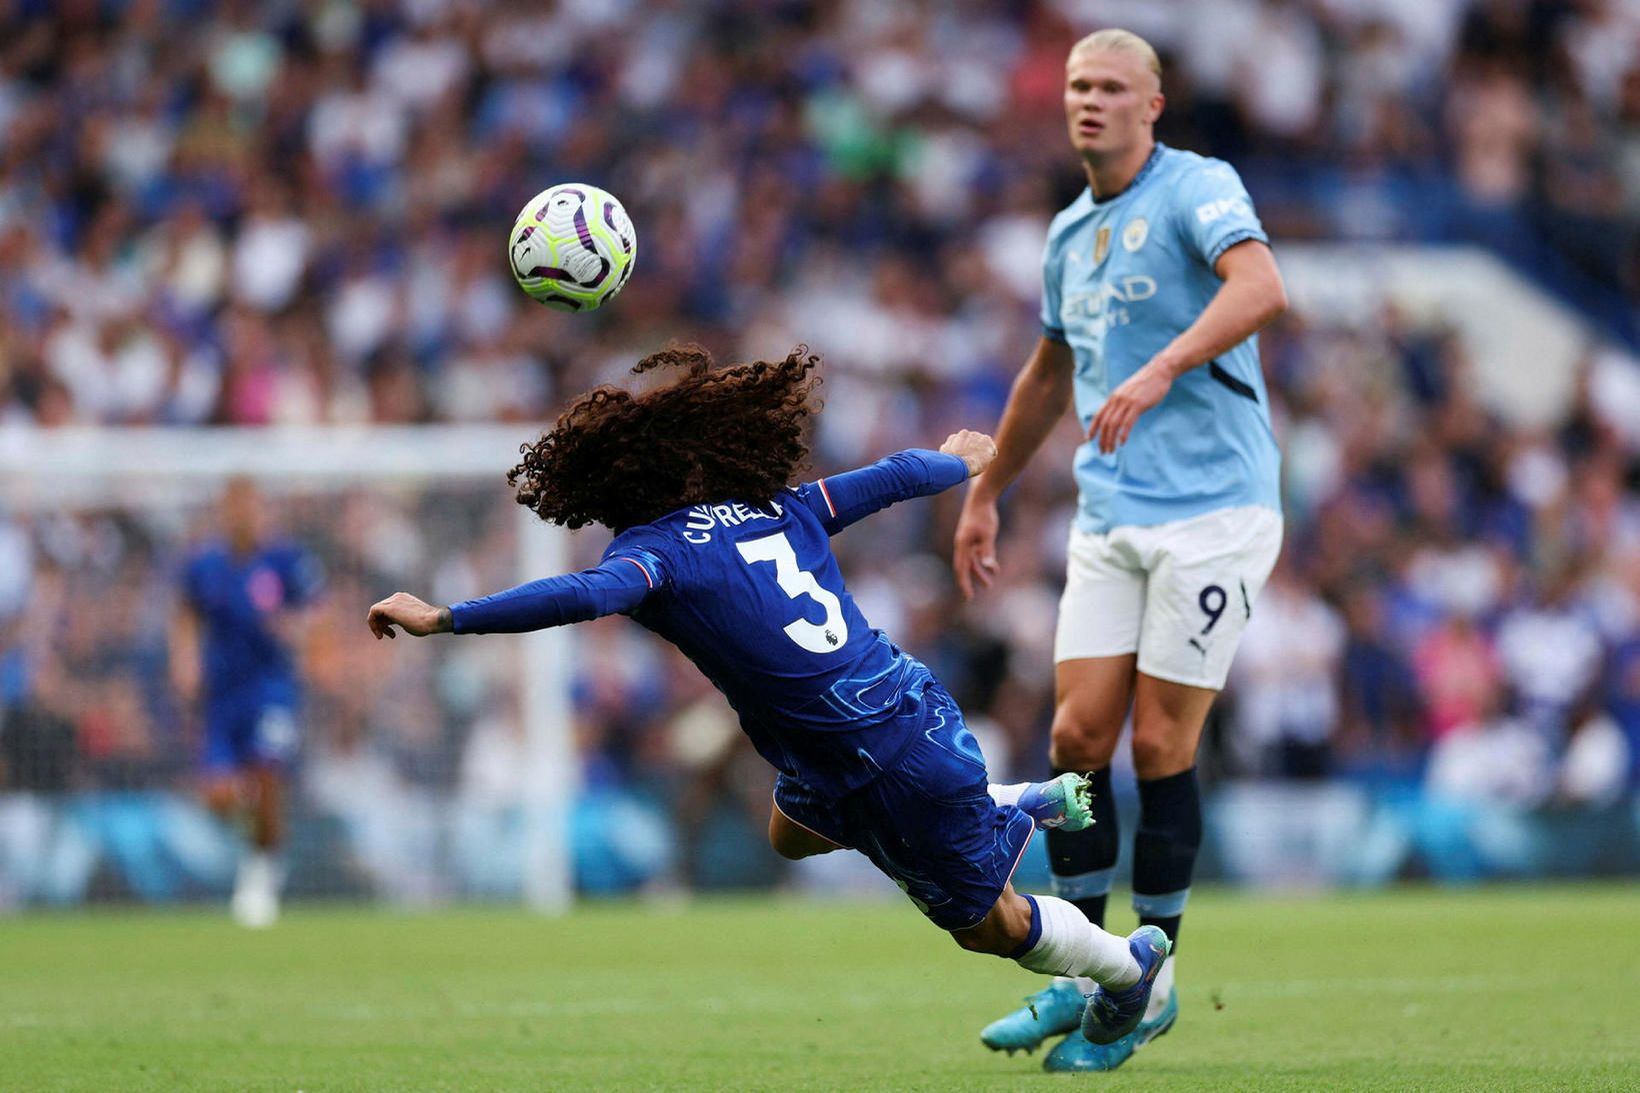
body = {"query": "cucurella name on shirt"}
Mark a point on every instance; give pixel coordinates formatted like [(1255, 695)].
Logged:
[(702, 519)]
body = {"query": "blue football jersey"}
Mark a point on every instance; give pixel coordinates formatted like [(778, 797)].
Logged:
[(752, 594), (1122, 278), (237, 600)]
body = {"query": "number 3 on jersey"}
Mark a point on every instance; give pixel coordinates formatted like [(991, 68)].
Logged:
[(825, 637)]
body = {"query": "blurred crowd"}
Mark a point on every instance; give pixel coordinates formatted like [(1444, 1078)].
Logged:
[(294, 212), (261, 212)]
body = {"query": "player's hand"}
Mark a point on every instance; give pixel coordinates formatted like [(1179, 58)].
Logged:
[(1139, 392), (974, 552), (975, 449), (418, 617)]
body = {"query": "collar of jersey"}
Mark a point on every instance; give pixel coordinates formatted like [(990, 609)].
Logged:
[(1144, 173)]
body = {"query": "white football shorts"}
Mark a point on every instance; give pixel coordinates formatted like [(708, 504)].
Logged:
[(1179, 594)]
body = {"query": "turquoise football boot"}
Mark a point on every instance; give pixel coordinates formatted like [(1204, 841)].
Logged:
[(1075, 1053), (1112, 1014), (1051, 1011), (1064, 803)]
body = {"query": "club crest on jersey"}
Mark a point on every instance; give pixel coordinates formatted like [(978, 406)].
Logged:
[(1135, 234), (1101, 245), (265, 589)]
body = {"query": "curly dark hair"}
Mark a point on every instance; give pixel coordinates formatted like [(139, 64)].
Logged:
[(735, 433)]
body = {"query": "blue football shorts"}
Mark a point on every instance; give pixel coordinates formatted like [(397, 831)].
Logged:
[(929, 820), (244, 734)]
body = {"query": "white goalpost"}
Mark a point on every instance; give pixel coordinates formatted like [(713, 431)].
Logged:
[(100, 510)]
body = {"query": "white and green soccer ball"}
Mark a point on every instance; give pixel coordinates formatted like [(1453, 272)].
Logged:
[(572, 247)]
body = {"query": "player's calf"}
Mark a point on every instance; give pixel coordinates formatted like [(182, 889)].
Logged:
[(265, 787), (1048, 935), (1165, 849), (1002, 931)]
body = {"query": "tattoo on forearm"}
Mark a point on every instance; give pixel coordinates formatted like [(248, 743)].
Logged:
[(446, 621)]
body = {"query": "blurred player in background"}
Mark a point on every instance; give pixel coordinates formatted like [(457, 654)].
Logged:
[(716, 553), (1155, 281), (234, 648)]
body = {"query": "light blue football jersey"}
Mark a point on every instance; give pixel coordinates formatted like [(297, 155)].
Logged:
[(1121, 279)]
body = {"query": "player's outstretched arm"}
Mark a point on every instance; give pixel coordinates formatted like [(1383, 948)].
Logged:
[(1251, 296), (618, 584), (418, 617), (1041, 394), (842, 499)]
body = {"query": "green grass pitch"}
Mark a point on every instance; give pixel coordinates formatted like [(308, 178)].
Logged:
[(1415, 989)]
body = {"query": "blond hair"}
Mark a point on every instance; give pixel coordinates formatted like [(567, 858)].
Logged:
[(1113, 40)]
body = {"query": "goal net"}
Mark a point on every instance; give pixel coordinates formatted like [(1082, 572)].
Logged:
[(428, 771)]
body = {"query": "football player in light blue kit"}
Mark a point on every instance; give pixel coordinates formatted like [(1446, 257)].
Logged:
[(715, 552), (1155, 281)]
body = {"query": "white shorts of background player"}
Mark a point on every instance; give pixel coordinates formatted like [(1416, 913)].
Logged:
[(1179, 594)]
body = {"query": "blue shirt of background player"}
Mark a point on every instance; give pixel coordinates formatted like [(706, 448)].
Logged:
[(752, 594), (1122, 278), (245, 663)]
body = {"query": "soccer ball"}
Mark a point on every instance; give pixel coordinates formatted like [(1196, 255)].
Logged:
[(572, 247)]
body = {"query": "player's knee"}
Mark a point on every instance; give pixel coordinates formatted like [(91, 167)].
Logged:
[(1079, 742), (222, 796), (1160, 754)]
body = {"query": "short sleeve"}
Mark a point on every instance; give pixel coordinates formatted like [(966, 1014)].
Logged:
[(1053, 324), (1216, 212)]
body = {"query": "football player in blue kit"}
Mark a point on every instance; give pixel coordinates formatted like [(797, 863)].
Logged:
[(1155, 282), (233, 645), (717, 552)]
